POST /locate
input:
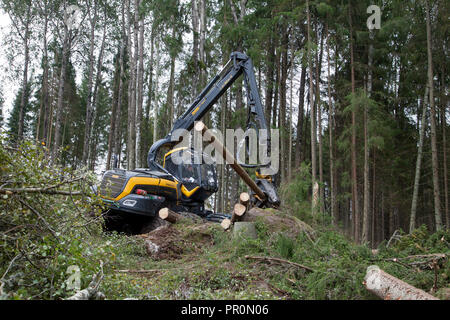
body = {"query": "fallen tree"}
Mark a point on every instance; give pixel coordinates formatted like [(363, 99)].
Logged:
[(388, 287)]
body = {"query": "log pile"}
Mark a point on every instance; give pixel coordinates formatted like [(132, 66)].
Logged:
[(239, 211)]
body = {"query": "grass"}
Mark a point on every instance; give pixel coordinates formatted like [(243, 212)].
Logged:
[(220, 271)]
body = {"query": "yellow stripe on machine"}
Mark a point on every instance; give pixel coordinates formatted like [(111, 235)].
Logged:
[(188, 193), (132, 182)]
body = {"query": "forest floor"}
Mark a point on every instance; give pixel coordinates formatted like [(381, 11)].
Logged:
[(51, 230), (288, 260)]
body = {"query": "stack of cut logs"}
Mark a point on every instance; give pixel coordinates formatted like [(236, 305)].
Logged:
[(239, 210)]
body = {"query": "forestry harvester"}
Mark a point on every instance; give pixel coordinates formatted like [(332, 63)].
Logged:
[(134, 197)]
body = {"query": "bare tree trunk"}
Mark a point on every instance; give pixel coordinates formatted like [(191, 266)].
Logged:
[(117, 134), (301, 103), (277, 86), (98, 78), (374, 218), (155, 106), (412, 220), (112, 122), (319, 120), (52, 94), (62, 80), (44, 97), (330, 131), (282, 114), (131, 135), (140, 99), (195, 48), (355, 200), (170, 93), (366, 214), (89, 111), (434, 155), (202, 43), (269, 82), (291, 110), (313, 118), (23, 99), (444, 151), (150, 71)]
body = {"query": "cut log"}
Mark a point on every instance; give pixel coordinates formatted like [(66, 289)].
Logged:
[(238, 212), (229, 158), (244, 198), (226, 224), (239, 209), (169, 215), (388, 287)]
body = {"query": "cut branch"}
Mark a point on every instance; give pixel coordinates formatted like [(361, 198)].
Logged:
[(282, 261), (11, 191)]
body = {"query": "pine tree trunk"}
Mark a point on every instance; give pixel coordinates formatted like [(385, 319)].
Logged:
[(98, 79), (117, 134), (156, 95), (269, 82), (366, 214), (319, 121), (23, 99), (140, 99), (131, 133), (291, 111), (170, 93), (330, 131), (313, 118), (195, 47), (62, 80), (355, 200), (412, 220), (277, 85), (444, 151), (300, 116), (44, 97), (434, 155), (202, 10), (282, 114), (112, 123), (89, 111)]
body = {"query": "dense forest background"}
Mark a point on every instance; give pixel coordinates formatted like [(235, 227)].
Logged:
[(362, 113)]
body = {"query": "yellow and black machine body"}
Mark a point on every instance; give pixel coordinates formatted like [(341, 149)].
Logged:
[(145, 191), (185, 186)]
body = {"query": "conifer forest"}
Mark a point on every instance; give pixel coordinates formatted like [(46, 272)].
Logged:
[(358, 92)]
